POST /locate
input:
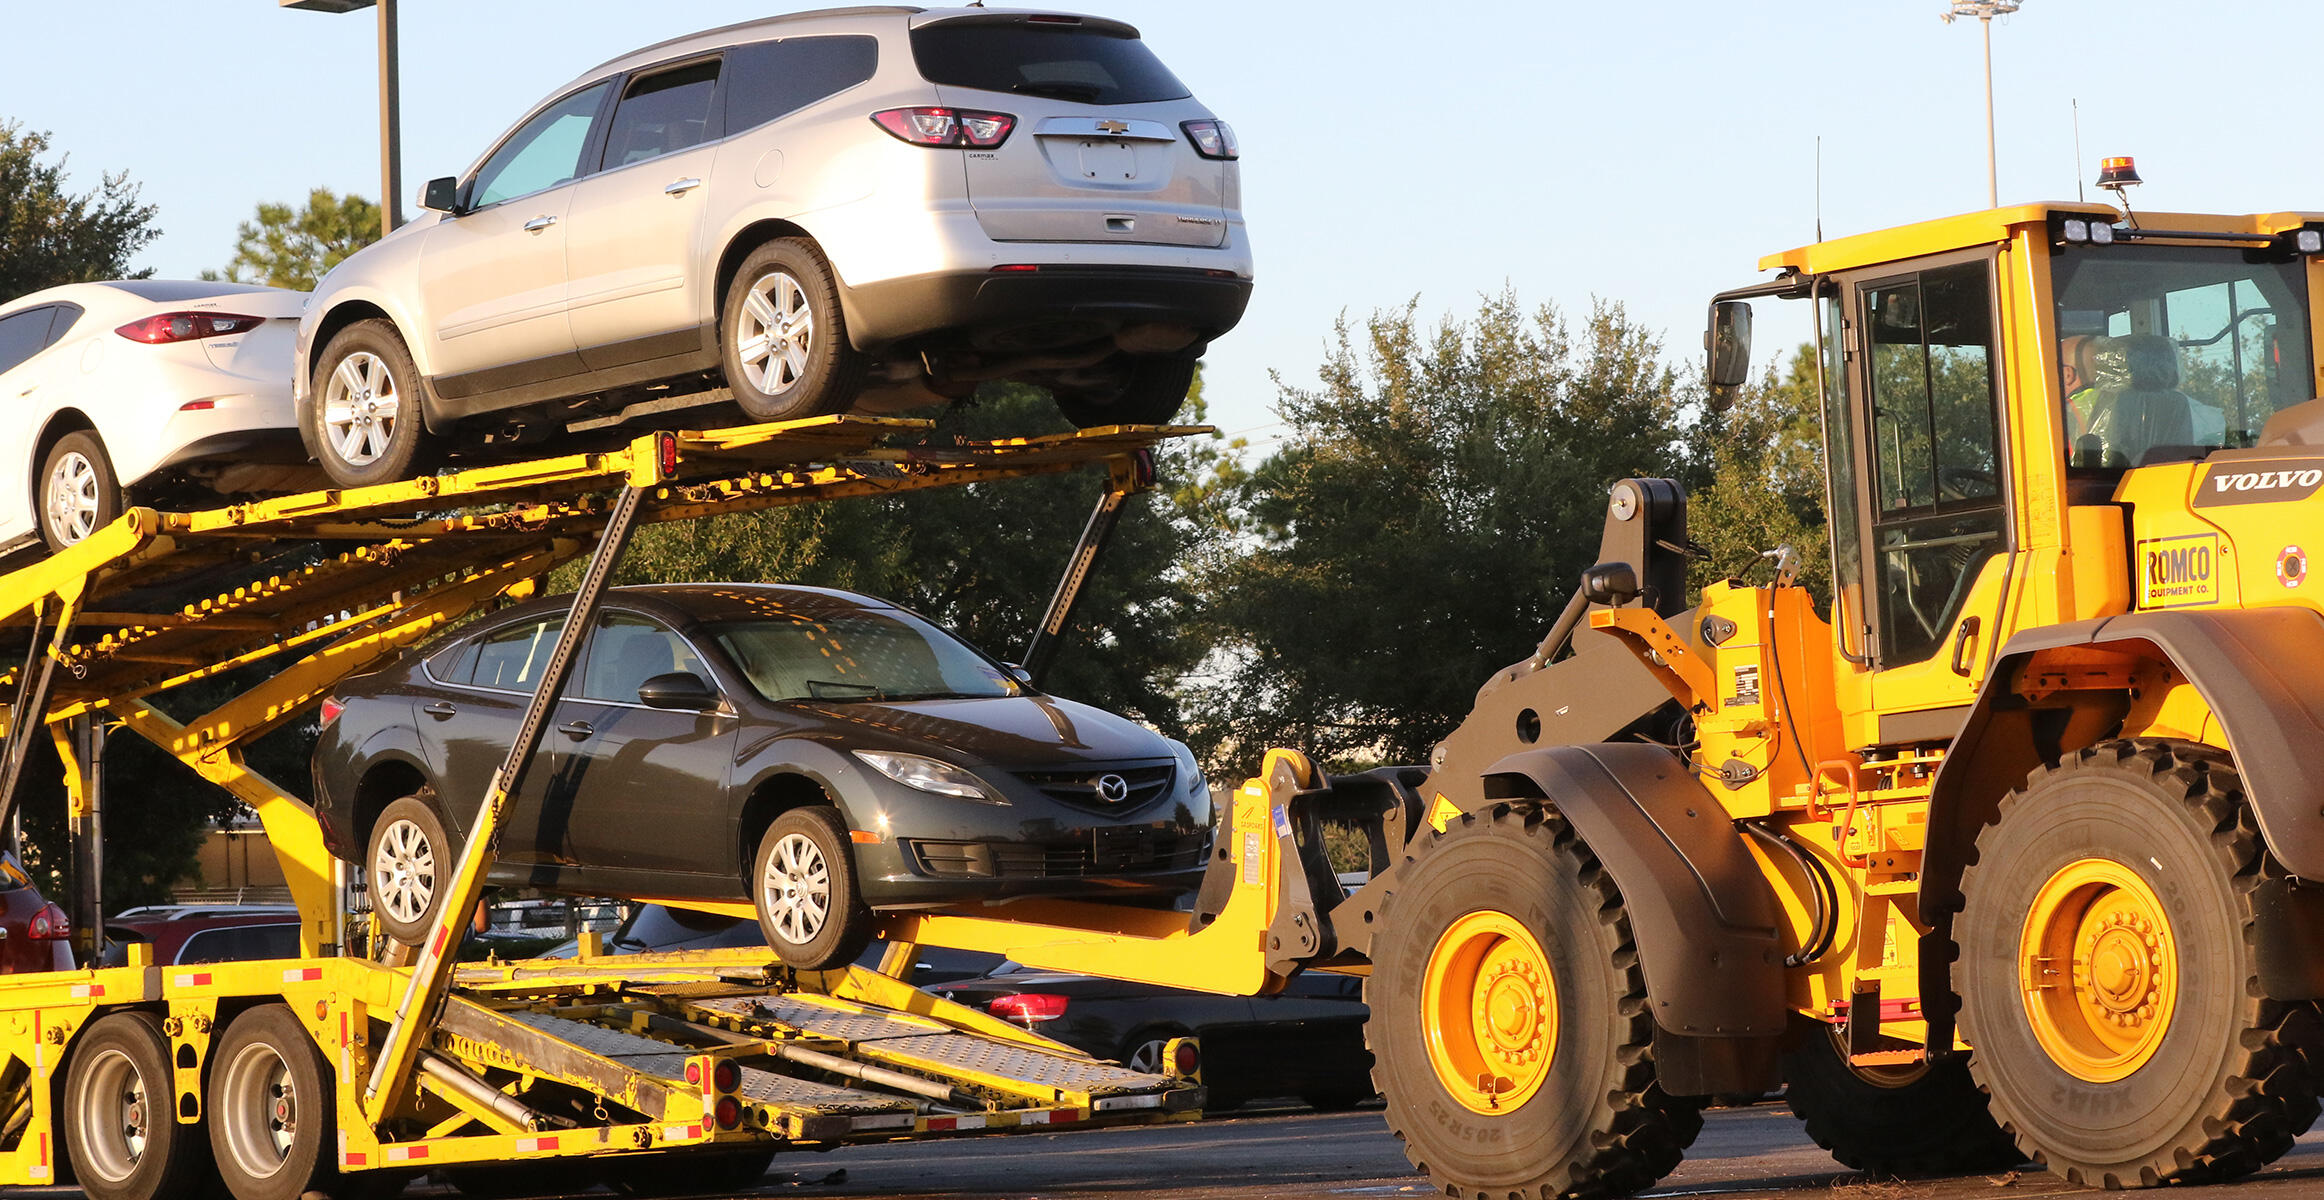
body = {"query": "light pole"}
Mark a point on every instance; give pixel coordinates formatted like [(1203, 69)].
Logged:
[(1984, 11), (390, 104)]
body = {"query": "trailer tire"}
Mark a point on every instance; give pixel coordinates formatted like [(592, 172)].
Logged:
[(1506, 911), (407, 860), (120, 1123), (272, 1110), (805, 365), (1927, 1120), (2131, 869), (802, 883)]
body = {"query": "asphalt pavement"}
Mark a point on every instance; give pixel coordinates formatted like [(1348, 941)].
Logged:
[(1755, 1153)]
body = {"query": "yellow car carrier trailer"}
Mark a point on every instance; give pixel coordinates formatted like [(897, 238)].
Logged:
[(352, 1068)]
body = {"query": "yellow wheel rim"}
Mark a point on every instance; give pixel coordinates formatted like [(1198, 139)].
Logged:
[(1489, 1012), (2099, 970)]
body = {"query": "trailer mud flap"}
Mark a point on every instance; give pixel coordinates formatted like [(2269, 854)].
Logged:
[(1701, 911)]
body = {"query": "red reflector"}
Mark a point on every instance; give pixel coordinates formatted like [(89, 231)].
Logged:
[(1018, 267), (197, 406), (50, 924), (666, 451), (1028, 1008), (937, 125), (1187, 1058), (165, 328), (693, 1072), (729, 1113), (331, 710)]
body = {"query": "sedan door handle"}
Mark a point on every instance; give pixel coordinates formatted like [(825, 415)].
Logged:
[(576, 729), (681, 187), (441, 709), (539, 223)]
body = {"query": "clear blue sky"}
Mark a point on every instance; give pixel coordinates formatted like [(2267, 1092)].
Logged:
[(1641, 152)]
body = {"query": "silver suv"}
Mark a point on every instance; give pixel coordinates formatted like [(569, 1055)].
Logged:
[(866, 208)]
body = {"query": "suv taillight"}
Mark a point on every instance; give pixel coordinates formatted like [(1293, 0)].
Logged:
[(935, 125), (50, 924), (1212, 139), (1028, 1008), (187, 327)]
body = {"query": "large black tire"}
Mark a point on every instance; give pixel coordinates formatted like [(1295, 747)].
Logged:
[(407, 864), (782, 338), (77, 493), (1593, 1121), (272, 1110), (1153, 389), (2166, 1064), (803, 884), (1928, 1119), (365, 408), (120, 1120)]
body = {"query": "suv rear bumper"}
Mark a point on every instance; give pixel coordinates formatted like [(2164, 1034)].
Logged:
[(1012, 308)]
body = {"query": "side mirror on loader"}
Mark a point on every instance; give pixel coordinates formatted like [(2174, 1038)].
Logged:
[(1727, 344)]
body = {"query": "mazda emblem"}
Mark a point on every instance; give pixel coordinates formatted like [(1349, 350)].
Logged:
[(1113, 789)]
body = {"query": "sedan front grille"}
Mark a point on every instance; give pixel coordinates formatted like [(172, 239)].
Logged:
[(1105, 789), (1105, 850)]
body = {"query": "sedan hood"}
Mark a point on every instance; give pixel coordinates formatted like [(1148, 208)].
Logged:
[(1003, 731)]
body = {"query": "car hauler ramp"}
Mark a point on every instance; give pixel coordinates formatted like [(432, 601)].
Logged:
[(297, 1071)]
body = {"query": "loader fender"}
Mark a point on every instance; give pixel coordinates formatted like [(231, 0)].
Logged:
[(1701, 911), (2261, 671)]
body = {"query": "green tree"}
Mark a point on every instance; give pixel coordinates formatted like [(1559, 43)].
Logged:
[(1433, 506), (1764, 459), (292, 249), (983, 559), (48, 235)]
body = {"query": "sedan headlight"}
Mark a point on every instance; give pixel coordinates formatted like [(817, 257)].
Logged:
[(929, 775), (1190, 770)]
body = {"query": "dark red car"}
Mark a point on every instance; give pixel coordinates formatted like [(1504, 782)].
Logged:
[(204, 933), (35, 935)]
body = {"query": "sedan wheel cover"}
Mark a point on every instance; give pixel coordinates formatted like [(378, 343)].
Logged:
[(360, 406), (774, 333), (796, 889), (71, 497), (403, 874), (1147, 1058)]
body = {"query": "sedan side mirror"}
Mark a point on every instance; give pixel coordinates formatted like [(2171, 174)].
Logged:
[(678, 690), (441, 195), (1018, 671)]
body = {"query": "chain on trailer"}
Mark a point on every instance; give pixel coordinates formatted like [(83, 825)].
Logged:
[(485, 1064)]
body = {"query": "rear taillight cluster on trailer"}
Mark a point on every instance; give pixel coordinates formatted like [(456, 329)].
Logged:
[(165, 328), (937, 125), (1212, 139), (50, 924), (718, 1078), (1028, 1008)]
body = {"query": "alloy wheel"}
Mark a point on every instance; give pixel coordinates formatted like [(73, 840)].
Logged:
[(403, 876), (360, 407), (71, 497), (775, 333), (798, 888)]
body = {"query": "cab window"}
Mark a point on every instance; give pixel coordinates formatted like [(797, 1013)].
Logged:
[(542, 154), (1934, 462), (662, 113)]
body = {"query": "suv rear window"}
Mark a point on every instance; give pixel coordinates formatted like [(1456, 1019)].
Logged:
[(1092, 65)]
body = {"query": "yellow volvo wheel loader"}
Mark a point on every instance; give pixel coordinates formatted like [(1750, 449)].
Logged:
[(2014, 852)]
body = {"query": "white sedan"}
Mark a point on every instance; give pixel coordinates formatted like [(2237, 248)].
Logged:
[(165, 389)]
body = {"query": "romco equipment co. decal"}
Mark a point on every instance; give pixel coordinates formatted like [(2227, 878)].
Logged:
[(2258, 481), (2179, 572)]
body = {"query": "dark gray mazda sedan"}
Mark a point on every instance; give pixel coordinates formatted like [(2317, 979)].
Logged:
[(817, 754)]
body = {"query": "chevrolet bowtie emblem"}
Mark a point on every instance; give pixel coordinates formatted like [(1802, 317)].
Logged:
[(1113, 127)]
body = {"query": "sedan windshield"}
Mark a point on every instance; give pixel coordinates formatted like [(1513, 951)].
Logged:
[(857, 654)]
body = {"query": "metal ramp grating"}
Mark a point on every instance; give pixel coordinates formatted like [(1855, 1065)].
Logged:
[(667, 1061), (924, 1044)]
